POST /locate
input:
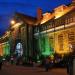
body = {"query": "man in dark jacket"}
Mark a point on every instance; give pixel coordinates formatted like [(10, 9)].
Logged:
[(0, 62), (71, 59)]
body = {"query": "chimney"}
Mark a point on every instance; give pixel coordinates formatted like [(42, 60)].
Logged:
[(39, 15)]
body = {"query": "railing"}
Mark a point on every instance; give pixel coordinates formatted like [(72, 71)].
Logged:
[(62, 21)]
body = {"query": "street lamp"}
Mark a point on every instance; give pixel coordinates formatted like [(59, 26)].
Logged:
[(13, 22)]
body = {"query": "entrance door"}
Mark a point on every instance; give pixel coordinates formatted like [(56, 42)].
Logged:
[(19, 49)]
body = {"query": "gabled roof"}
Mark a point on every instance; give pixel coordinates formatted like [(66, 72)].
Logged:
[(62, 10), (27, 19), (46, 16)]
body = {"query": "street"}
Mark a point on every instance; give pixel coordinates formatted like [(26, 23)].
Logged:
[(22, 70)]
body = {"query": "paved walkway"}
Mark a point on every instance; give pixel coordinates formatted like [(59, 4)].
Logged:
[(20, 70)]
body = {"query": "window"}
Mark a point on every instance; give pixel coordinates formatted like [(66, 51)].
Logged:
[(60, 41)]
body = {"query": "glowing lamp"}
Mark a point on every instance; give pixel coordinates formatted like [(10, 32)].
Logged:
[(12, 22)]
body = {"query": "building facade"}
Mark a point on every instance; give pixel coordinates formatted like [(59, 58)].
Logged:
[(52, 34)]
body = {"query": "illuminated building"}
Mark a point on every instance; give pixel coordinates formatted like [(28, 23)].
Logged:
[(22, 33), (4, 47), (46, 35), (55, 35)]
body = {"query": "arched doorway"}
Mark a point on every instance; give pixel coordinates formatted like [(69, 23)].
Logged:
[(19, 49)]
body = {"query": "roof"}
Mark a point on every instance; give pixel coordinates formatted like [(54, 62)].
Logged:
[(27, 19)]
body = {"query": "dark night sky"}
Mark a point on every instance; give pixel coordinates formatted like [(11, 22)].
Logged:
[(27, 7)]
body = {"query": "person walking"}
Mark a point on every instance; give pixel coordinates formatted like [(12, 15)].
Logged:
[(47, 62), (71, 60), (0, 62)]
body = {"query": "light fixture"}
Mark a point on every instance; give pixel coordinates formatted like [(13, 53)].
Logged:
[(12, 22)]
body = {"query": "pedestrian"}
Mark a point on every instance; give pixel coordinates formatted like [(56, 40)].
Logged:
[(12, 60), (0, 62), (71, 58), (47, 61), (70, 64), (34, 65)]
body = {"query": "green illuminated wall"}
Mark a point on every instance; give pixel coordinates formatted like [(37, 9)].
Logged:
[(6, 49), (45, 45)]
